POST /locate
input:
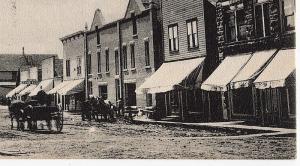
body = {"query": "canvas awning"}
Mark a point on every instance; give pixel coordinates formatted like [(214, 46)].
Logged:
[(225, 72), (277, 71), (58, 87), (252, 69), (169, 75), (73, 87), (44, 85), (27, 90), (17, 90)]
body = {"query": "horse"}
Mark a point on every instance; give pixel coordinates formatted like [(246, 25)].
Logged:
[(16, 111)]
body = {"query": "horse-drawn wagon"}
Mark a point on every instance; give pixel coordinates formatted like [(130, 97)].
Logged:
[(30, 113)]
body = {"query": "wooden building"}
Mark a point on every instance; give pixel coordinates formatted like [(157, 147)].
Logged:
[(190, 55)]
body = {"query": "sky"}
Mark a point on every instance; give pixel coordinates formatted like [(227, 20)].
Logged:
[(38, 24)]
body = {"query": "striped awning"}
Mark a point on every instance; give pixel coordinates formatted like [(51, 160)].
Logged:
[(16, 90), (44, 85)]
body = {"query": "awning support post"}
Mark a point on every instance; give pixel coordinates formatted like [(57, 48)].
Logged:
[(262, 107), (181, 105), (254, 98), (225, 115), (288, 101), (209, 107), (166, 103)]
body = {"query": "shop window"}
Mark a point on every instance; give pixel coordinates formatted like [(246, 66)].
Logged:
[(149, 100), (147, 56), (117, 62), (68, 72), (78, 66), (103, 91), (289, 7), (262, 20), (99, 61), (192, 33), (132, 55), (130, 95), (124, 57), (234, 26), (107, 60), (173, 38)]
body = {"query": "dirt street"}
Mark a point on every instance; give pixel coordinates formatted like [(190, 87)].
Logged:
[(102, 140)]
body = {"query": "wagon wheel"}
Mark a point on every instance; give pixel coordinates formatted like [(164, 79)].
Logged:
[(59, 121)]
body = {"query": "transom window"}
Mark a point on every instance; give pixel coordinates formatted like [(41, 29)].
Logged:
[(173, 38), (192, 33)]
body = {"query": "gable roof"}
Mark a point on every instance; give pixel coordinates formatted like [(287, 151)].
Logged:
[(137, 6), (98, 20), (12, 62)]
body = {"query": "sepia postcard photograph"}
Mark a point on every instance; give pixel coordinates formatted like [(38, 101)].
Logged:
[(148, 79)]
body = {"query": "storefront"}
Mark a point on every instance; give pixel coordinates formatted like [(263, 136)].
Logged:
[(72, 94), (15, 91), (217, 86), (174, 83), (276, 87)]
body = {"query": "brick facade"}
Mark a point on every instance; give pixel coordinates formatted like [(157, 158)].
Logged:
[(148, 30)]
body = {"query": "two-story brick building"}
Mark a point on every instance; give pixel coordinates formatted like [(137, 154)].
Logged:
[(71, 90), (122, 54), (256, 40), (190, 55)]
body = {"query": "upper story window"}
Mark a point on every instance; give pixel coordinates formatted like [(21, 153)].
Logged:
[(262, 20), (234, 26), (68, 68), (132, 55), (289, 8), (89, 65), (124, 48), (107, 60), (134, 27), (173, 37), (147, 56), (99, 61), (98, 35), (192, 33), (78, 65), (117, 62)]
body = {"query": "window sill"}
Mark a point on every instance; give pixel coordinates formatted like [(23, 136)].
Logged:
[(133, 69), (147, 67), (174, 52), (125, 70), (135, 36), (98, 45), (117, 76), (107, 72), (193, 48)]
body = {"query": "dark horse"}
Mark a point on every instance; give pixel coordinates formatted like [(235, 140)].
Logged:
[(97, 108)]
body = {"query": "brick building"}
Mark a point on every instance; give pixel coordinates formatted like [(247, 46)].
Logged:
[(190, 55), (71, 90), (125, 52), (252, 36)]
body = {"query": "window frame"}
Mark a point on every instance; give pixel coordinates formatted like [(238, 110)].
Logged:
[(174, 40), (263, 18), (107, 60), (285, 16), (125, 58), (147, 53), (195, 40), (79, 61), (99, 61), (117, 62), (236, 26), (89, 64), (103, 95), (134, 24), (68, 68), (132, 55)]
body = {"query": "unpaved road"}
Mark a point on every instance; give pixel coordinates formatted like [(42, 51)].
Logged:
[(84, 140)]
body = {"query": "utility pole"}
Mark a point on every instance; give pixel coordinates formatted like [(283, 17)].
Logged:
[(121, 73), (86, 61)]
